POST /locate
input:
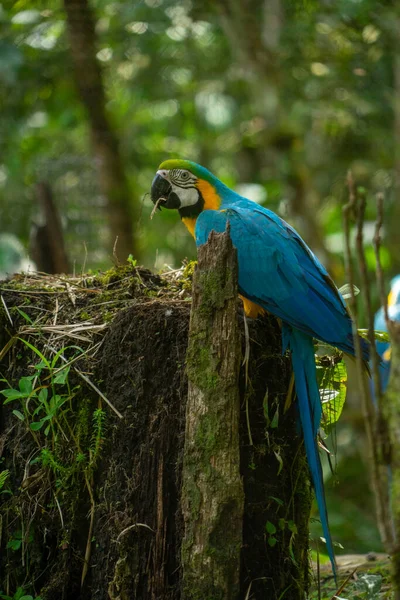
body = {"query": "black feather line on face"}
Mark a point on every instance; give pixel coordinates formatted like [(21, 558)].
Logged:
[(193, 211)]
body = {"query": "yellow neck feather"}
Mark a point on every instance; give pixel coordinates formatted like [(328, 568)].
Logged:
[(211, 202), (211, 199)]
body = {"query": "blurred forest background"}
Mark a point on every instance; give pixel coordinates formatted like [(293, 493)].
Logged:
[(278, 98)]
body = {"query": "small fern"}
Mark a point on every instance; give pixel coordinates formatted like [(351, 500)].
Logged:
[(48, 460), (98, 424), (3, 477)]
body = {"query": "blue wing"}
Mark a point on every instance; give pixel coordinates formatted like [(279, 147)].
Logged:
[(280, 273)]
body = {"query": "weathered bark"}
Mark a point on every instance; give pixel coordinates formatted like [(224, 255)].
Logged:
[(138, 532), (113, 182), (46, 242), (212, 491)]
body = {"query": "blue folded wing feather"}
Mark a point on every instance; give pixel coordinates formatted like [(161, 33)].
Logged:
[(278, 272)]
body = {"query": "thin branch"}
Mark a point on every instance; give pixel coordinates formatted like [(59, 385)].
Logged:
[(377, 245), (367, 297), (378, 480)]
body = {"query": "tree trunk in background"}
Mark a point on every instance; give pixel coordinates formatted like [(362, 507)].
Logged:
[(46, 242), (88, 76), (392, 225), (253, 28)]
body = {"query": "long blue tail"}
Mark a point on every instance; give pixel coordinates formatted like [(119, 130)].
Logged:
[(309, 404)]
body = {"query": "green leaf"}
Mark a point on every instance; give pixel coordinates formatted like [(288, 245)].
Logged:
[(62, 376), (270, 527), (20, 594), (332, 388), (292, 526), (12, 395), (36, 425), (380, 336), (19, 415), (25, 385), (14, 544), (275, 419), (272, 541), (345, 290), (57, 401), (280, 461), (47, 418), (3, 477), (24, 315), (277, 500), (43, 361), (40, 366), (44, 392)]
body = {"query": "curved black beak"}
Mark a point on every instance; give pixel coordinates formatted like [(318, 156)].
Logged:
[(162, 189)]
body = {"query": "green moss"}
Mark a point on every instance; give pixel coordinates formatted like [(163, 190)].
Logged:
[(114, 274), (187, 276), (201, 365), (108, 316), (214, 290)]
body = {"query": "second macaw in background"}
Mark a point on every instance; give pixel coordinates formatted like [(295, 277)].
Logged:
[(278, 273), (384, 348)]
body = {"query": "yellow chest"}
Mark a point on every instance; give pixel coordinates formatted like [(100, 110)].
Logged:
[(190, 224)]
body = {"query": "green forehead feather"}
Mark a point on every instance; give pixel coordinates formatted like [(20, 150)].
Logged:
[(198, 170)]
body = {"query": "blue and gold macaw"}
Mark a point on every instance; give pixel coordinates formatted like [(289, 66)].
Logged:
[(278, 273), (384, 348)]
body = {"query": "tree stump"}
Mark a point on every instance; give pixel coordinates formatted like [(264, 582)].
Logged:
[(134, 328)]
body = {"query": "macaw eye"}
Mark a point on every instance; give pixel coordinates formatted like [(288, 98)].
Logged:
[(185, 175)]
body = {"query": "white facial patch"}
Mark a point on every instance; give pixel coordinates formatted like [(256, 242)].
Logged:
[(188, 196)]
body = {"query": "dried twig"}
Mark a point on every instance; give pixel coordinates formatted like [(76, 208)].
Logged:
[(345, 582), (124, 531), (91, 384), (96, 389), (84, 259), (6, 309), (88, 550), (115, 256), (157, 204)]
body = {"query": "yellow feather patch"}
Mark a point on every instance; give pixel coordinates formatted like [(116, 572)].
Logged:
[(387, 355), (251, 309), (391, 298), (190, 223), (211, 202), (211, 199)]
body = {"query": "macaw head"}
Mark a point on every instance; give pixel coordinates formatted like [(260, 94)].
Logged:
[(394, 295), (187, 187)]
